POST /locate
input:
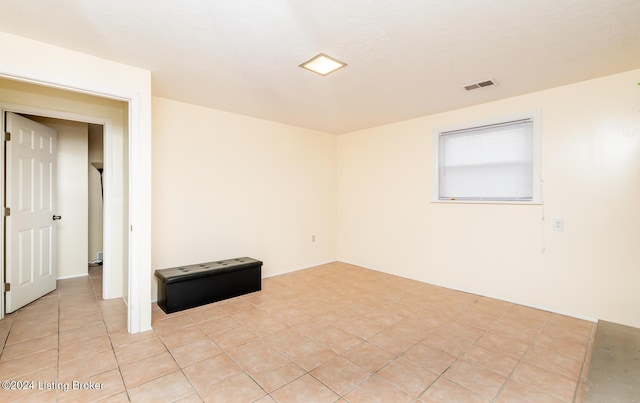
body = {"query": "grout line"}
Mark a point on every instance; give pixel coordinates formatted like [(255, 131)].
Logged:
[(582, 379), (454, 361), (58, 286), (178, 365), (113, 350)]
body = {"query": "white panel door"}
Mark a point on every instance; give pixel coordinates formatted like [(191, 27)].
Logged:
[(30, 191)]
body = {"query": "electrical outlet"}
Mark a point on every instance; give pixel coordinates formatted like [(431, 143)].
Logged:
[(313, 238), (558, 224)]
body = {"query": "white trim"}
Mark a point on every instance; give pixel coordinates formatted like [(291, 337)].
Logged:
[(526, 203), (535, 116), (74, 276), (107, 205)]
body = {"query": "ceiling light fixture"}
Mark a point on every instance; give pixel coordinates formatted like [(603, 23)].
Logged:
[(322, 64)]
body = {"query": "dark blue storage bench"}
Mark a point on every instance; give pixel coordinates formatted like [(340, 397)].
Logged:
[(199, 284)]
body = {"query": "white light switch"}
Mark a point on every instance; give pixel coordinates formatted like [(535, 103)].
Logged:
[(558, 224)]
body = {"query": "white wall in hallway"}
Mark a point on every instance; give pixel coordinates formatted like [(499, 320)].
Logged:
[(72, 202)]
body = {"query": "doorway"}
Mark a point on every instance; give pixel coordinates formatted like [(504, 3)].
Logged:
[(76, 204), (111, 116), (77, 74)]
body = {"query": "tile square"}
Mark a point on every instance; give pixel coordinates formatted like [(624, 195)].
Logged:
[(87, 366), (122, 338), (504, 344), (233, 337), (377, 389), (83, 333), (310, 354), (341, 375), (275, 372), (568, 348), (461, 330), (408, 376), (13, 369), (495, 361), (236, 388), (515, 330), (454, 345), (394, 341), (545, 381), (363, 328), (252, 353), (171, 324), (86, 347), (74, 322), (211, 370), (553, 361), (337, 340), (515, 392), (183, 336), (170, 387), (28, 347), (265, 326), (434, 360), (21, 333), (111, 384), (193, 352), (480, 380), (284, 339), (303, 390), (12, 395), (147, 369), (445, 391), (206, 313), (369, 356), (139, 349)]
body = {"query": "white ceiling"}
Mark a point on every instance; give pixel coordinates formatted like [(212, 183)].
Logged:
[(405, 58)]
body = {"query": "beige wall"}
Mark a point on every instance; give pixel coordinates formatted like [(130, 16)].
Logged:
[(23, 96), (591, 172), (96, 150), (71, 195), (227, 185)]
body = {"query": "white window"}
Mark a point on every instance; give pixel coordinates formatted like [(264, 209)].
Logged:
[(491, 162)]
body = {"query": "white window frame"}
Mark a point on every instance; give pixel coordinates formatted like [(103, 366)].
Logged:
[(535, 117)]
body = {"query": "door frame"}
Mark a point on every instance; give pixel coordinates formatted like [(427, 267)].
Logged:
[(108, 156), (42, 64)]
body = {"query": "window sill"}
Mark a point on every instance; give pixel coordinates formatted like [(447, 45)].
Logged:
[(531, 203)]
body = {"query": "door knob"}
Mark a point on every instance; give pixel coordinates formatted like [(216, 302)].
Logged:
[(57, 217)]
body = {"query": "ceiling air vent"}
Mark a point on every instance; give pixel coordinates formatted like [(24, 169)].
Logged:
[(479, 85)]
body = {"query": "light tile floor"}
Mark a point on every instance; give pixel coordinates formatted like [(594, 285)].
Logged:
[(336, 332)]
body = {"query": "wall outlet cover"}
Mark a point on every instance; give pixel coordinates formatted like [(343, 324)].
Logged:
[(558, 224)]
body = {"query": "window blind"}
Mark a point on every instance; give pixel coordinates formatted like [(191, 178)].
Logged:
[(493, 162)]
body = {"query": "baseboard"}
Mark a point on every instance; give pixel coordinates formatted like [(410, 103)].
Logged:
[(75, 276), (298, 269)]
